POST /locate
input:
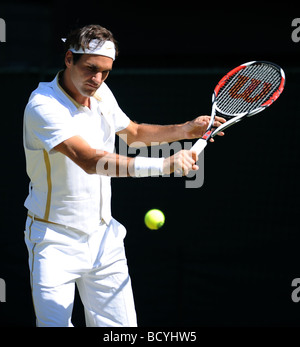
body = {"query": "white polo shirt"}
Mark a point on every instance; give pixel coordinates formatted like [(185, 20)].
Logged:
[(60, 191)]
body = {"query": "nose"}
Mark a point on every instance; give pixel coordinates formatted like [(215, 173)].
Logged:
[(98, 78)]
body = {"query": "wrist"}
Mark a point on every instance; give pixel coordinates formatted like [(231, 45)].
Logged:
[(145, 167), (183, 130)]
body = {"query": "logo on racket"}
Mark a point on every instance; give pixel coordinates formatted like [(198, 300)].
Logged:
[(254, 83)]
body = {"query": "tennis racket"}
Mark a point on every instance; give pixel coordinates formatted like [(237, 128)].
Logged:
[(244, 91)]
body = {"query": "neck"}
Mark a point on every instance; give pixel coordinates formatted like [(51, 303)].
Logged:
[(69, 87)]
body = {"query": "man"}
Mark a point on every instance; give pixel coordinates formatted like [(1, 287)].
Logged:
[(69, 133)]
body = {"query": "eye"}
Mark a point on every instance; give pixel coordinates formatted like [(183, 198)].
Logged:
[(91, 68)]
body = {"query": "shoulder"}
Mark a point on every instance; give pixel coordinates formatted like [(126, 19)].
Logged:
[(44, 100), (44, 109), (44, 94)]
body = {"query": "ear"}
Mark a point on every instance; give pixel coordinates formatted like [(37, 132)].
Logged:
[(68, 59)]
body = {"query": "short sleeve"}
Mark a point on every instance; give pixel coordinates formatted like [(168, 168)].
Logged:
[(47, 124), (120, 118)]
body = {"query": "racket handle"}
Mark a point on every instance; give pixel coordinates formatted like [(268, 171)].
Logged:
[(199, 146)]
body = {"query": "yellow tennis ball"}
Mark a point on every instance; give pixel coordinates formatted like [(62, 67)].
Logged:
[(154, 219)]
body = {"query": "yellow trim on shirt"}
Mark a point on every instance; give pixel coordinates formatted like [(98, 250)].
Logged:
[(97, 96), (77, 104), (49, 183)]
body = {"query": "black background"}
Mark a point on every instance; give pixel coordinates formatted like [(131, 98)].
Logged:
[(229, 250)]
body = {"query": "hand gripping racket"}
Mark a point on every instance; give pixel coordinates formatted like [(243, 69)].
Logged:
[(244, 91)]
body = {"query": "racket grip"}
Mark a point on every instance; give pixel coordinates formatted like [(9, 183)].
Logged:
[(199, 146)]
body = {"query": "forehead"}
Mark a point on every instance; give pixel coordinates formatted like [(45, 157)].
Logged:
[(97, 61)]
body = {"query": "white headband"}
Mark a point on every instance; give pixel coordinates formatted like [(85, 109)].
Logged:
[(106, 48)]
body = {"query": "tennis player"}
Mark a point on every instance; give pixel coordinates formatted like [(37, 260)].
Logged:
[(69, 136)]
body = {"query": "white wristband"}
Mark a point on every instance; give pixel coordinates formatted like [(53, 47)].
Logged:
[(144, 167)]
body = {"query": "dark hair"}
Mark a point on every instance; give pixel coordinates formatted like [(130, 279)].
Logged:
[(82, 37)]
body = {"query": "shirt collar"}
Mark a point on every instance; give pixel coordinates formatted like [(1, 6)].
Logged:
[(68, 97), (60, 88)]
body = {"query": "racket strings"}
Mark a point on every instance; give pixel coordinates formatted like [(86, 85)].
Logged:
[(248, 89)]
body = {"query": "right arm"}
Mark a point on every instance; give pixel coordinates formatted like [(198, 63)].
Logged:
[(95, 161)]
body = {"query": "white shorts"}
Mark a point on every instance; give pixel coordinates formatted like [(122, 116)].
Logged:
[(61, 256)]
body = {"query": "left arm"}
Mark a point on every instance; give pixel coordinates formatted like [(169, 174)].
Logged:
[(145, 134)]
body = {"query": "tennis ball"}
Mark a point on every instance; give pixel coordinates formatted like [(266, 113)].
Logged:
[(154, 219)]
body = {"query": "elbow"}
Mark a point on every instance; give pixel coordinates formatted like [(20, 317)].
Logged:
[(97, 165), (131, 135), (88, 166), (94, 164), (89, 171)]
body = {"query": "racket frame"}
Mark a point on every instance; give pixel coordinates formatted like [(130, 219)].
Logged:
[(234, 118)]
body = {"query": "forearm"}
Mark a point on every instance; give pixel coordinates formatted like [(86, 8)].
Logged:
[(148, 134), (96, 161), (112, 164), (161, 133), (139, 135)]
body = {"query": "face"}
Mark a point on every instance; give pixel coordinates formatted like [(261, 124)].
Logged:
[(89, 72)]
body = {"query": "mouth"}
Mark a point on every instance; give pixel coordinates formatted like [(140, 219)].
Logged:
[(93, 86)]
